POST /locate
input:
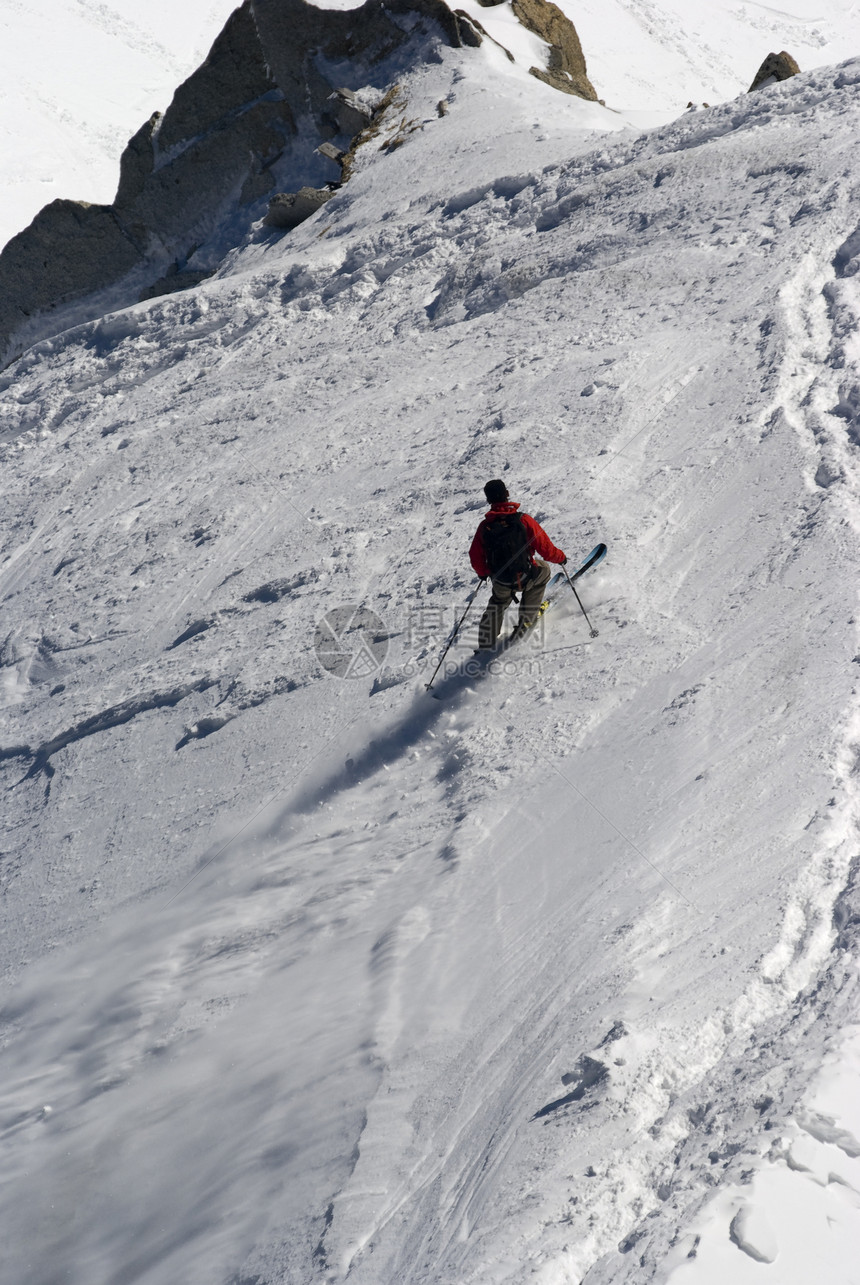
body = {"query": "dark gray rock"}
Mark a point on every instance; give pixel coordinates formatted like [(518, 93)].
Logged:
[(350, 112), (289, 209), (137, 162), (233, 76), (70, 249), (332, 152), (207, 163), (472, 33)]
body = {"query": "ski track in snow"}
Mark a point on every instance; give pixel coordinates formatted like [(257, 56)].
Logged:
[(336, 980)]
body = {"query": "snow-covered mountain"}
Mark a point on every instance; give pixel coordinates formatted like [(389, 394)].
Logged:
[(550, 977), (78, 80)]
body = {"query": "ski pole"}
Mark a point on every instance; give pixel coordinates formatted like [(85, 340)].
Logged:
[(579, 600), (427, 686)]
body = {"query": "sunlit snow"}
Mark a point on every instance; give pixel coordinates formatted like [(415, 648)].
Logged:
[(550, 976)]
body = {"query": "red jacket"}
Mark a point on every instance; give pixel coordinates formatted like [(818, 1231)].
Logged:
[(539, 541)]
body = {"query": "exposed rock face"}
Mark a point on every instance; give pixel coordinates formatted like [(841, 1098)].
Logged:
[(480, 33), (137, 161), (233, 76), (351, 114), (300, 41), (332, 152), (70, 249), (226, 125), (289, 209), (774, 68), (566, 69)]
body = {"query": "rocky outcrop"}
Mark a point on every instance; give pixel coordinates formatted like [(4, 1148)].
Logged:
[(481, 34), (289, 209), (193, 180), (70, 249), (565, 68), (233, 76), (226, 126), (775, 67), (351, 112)]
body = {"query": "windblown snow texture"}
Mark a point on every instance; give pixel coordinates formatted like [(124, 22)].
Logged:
[(313, 979)]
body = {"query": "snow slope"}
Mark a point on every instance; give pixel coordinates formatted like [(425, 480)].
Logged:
[(318, 978), (77, 80), (660, 54)]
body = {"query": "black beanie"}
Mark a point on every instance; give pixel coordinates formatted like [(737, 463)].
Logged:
[(496, 491)]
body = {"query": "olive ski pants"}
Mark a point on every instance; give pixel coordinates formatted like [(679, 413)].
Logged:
[(530, 601)]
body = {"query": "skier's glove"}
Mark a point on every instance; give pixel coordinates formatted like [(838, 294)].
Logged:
[(564, 562)]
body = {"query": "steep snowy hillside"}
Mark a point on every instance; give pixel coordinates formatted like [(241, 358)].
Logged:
[(76, 81), (541, 979), (660, 54)]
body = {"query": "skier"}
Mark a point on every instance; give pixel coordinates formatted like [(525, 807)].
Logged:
[(503, 549)]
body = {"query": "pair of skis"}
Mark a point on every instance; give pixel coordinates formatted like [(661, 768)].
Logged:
[(552, 590), (557, 583)]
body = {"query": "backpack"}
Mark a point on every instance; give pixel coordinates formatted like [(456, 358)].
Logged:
[(506, 548)]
